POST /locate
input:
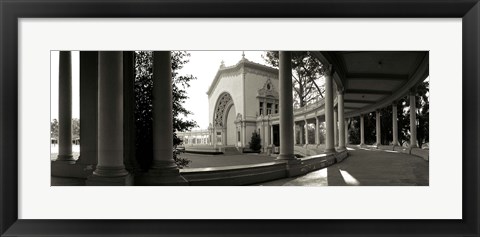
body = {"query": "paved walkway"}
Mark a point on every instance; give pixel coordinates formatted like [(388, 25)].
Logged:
[(366, 167), (363, 167)]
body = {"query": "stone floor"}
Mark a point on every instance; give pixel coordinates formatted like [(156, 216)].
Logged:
[(366, 167), (363, 167)]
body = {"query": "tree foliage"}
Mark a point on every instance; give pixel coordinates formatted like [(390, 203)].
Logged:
[(307, 73), (143, 105), (255, 143), (75, 128), (54, 129)]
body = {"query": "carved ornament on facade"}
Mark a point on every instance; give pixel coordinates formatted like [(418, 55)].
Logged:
[(222, 104)]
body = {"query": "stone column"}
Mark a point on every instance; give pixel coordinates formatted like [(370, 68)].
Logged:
[(88, 107), (301, 137), (286, 107), (395, 124), (271, 135), (329, 120), (214, 138), (362, 130), (335, 125), (413, 119), (306, 132), (294, 134), (110, 169), (224, 136), (341, 121), (244, 134), (264, 107), (346, 133), (317, 136), (378, 128), (263, 134), (164, 170), (65, 108)]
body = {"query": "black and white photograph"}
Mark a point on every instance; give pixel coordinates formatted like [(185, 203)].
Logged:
[(241, 117)]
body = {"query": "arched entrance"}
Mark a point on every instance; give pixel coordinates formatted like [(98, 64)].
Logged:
[(224, 120)]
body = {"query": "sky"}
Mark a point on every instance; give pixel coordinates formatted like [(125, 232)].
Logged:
[(203, 65)]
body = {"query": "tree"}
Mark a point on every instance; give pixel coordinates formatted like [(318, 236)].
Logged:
[(423, 111), (143, 105), (75, 128), (54, 129), (307, 76), (255, 143)]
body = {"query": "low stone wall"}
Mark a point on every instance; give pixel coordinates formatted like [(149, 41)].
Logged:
[(229, 175), (203, 150), (252, 174), (235, 175), (423, 153)]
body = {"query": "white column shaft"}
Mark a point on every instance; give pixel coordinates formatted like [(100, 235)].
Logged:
[(329, 120), (294, 134), (271, 134), (162, 110), (286, 106), (110, 114), (362, 130), (65, 108), (378, 128), (306, 132), (413, 121), (335, 125), (394, 124), (341, 121)]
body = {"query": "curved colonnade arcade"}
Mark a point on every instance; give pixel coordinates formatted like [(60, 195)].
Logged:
[(356, 83)]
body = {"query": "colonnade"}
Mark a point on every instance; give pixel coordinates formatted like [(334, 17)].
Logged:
[(107, 72), (111, 111), (413, 125), (335, 121)]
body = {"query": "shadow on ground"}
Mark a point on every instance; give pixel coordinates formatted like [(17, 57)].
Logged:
[(365, 167)]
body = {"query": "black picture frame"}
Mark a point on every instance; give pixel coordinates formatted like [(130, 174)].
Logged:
[(11, 11)]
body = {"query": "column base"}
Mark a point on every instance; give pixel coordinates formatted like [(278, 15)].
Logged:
[(295, 168), (329, 150), (340, 148), (67, 159), (161, 174), (286, 157), (96, 180), (410, 148), (108, 171)]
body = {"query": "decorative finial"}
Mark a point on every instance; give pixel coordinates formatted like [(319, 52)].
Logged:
[(222, 64), (243, 57)]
